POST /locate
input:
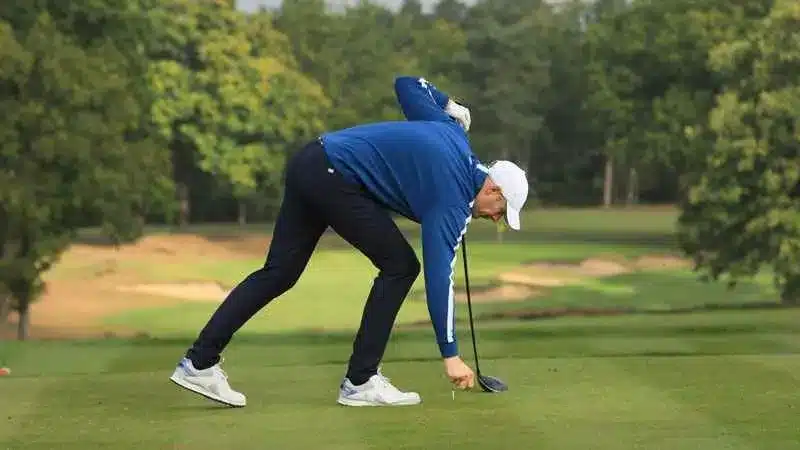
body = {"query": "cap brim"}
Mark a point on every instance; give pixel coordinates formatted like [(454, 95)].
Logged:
[(512, 218)]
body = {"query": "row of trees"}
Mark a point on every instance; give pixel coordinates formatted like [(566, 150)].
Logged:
[(122, 112)]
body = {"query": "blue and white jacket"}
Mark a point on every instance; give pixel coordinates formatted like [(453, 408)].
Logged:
[(425, 170)]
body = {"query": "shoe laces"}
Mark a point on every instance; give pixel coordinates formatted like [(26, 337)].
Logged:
[(381, 375), (385, 383), (219, 371)]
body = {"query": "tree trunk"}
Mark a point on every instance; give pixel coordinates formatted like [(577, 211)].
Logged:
[(24, 323), (790, 300), (790, 294), (183, 200), (608, 183), (633, 187), (242, 213), (5, 308)]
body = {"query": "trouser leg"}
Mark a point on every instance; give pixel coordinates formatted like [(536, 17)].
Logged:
[(297, 231), (398, 268), (369, 228)]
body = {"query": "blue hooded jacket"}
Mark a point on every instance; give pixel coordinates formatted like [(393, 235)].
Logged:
[(425, 170)]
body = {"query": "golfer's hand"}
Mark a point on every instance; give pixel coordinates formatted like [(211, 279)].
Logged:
[(460, 113), (460, 374)]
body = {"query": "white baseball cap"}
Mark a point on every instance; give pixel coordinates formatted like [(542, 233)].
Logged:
[(514, 184)]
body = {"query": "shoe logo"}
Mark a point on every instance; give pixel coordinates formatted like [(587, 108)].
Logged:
[(347, 390)]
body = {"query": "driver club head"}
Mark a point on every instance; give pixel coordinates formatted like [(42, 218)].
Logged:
[(491, 384)]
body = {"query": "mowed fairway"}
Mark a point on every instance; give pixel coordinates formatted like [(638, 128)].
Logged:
[(649, 379)]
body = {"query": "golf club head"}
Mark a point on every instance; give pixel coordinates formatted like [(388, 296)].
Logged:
[(491, 384)]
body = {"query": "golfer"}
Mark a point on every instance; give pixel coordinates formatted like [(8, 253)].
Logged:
[(351, 180)]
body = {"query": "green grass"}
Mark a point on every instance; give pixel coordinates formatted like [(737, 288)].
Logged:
[(706, 381), (724, 380), (346, 273), (645, 292), (486, 259)]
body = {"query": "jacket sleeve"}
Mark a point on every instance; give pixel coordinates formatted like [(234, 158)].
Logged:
[(420, 100), (441, 235)]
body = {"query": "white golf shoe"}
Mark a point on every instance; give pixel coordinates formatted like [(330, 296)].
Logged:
[(377, 391), (211, 383)]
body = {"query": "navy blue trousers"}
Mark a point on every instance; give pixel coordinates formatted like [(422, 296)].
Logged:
[(316, 197)]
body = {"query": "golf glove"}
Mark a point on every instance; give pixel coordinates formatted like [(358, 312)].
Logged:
[(458, 112)]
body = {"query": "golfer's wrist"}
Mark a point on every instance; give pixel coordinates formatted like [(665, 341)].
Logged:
[(448, 349)]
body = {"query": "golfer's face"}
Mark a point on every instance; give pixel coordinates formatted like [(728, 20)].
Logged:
[(498, 212), (491, 206)]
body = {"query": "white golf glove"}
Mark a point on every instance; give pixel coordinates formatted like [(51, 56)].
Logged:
[(458, 112)]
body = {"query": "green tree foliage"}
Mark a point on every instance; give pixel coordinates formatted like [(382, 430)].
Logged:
[(648, 81), (743, 210), (508, 73), (431, 47), (353, 56), (563, 154), (65, 155), (452, 11), (646, 100), (228, 95)]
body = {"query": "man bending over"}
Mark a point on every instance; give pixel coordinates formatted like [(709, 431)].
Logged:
[(351, 180)]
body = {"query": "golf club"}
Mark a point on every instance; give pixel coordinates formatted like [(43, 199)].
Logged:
[(487, 383)]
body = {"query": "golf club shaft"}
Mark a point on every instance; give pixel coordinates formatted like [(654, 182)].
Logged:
[(469, 304)]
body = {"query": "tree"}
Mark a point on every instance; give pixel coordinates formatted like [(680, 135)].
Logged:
[(743, 208), (229, 101), (413, 10), (508, 73), (355, 55), (564, 154), (435, 49), (649, 81), (452, 11), (66, 156)]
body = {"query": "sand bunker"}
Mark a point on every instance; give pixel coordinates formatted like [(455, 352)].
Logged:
[(199, 291), (545, 274), (89, 275), (503, 293), (168, 247), (559, 274)]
